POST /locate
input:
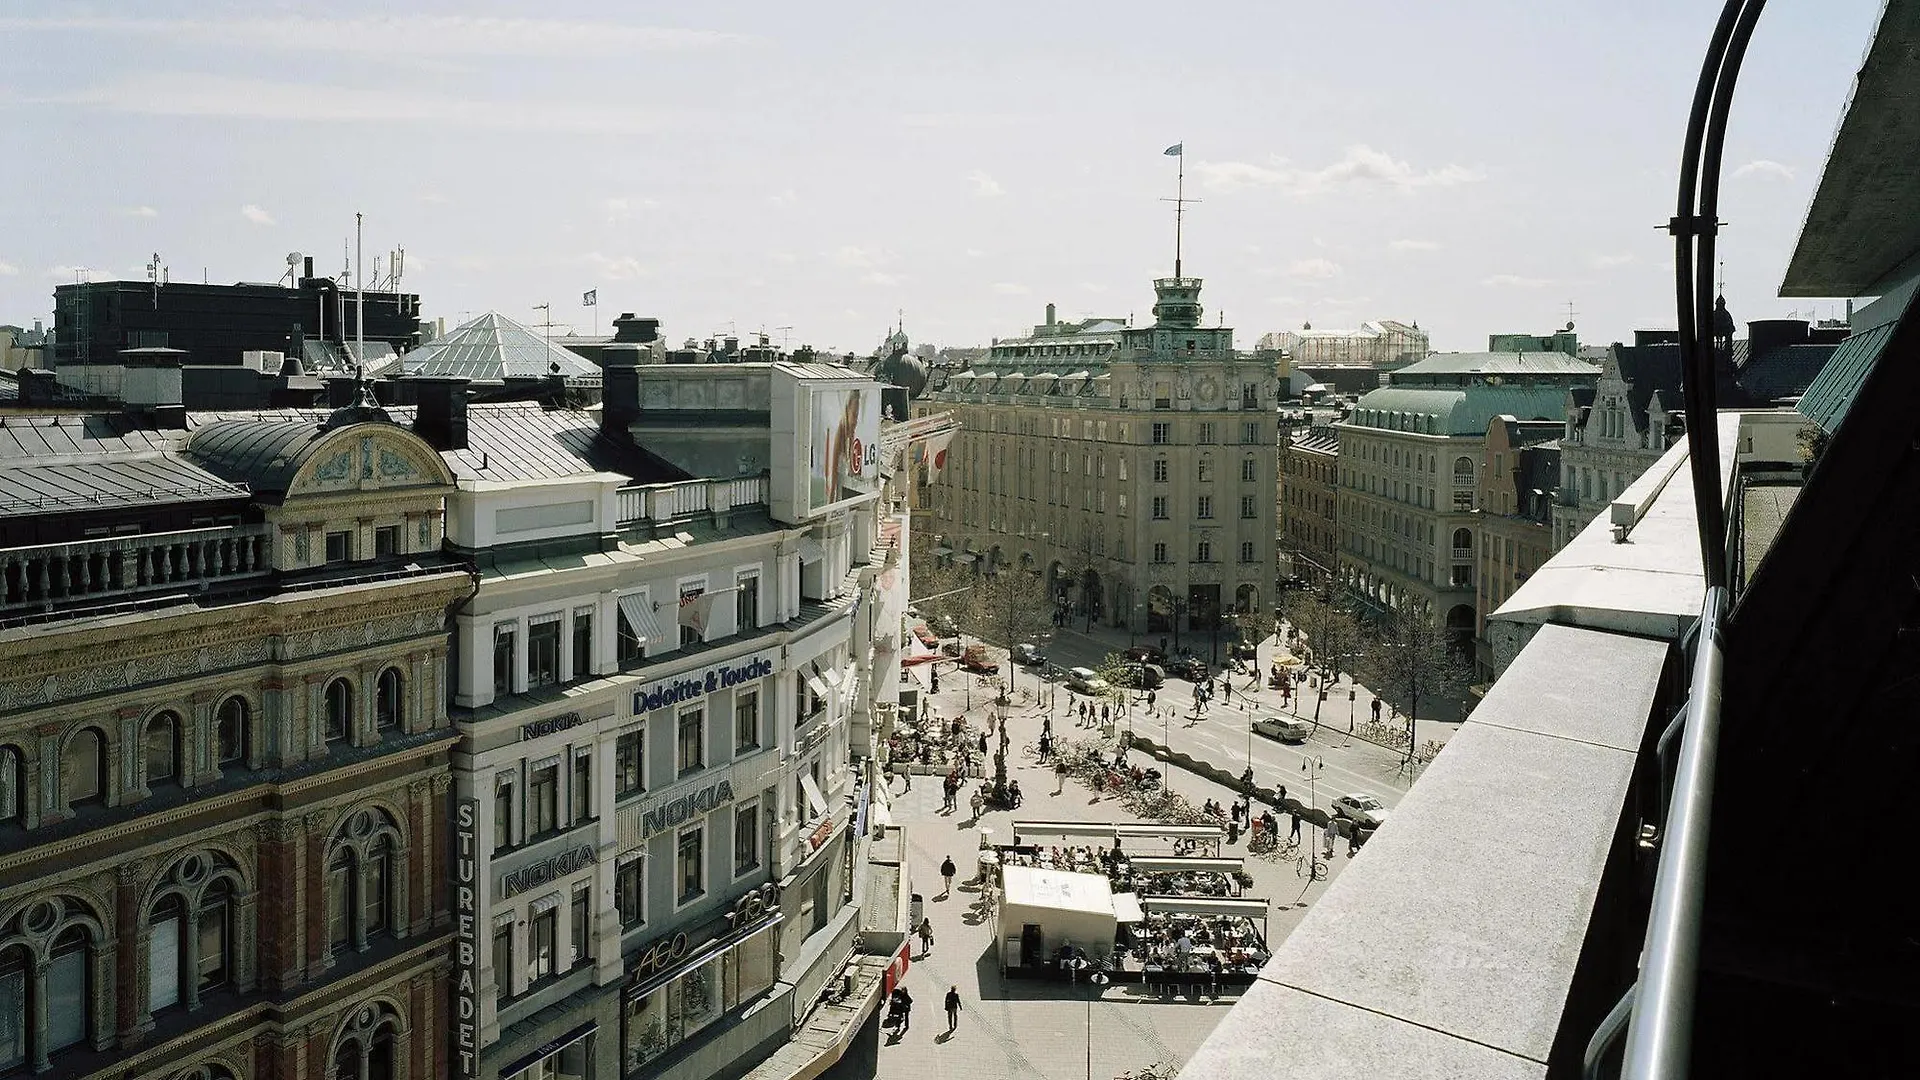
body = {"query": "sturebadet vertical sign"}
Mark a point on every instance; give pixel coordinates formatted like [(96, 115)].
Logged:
[(466, 940)]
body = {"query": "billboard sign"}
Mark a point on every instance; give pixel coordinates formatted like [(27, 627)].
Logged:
[(843, 443)]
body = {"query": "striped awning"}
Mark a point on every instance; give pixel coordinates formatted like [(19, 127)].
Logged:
[(639, 615), (549, 902), (811, 550)]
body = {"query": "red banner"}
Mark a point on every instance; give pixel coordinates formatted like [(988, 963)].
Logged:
[(897, 970)]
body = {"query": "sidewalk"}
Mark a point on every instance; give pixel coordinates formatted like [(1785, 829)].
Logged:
[(1018, 1027)]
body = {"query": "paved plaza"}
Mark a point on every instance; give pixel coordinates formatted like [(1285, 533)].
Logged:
[(1023, 1028)]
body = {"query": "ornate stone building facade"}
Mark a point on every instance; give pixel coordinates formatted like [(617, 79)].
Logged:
[(1310, 501), (1133, 466), (223, 749)]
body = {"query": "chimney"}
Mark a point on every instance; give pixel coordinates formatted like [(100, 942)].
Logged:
[(441, 416), (553, 391), (1049, 314), (619, 387), (731, 345), (306, 272), (628, 328), (38, 386)]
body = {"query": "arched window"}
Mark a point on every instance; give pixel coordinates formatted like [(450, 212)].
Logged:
[(366, 1050), (1462, 539), (162, 750), (69, 1002), (214, 959), (83, 768), (166, 953), (13, 792), (230, 733), (16, 1013), (362, 900), (339, 706), (386, 700)]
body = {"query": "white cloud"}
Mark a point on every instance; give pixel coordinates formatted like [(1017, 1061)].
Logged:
[(1313, 268), (1763, 167), (975, 253), (397, 35), (784, 197), (614, 267), (1413, 245), (1607, 262), (1515, 281), (985, 186), (1361, 165), (1093, 287), (858, 258), (879, 277), (192, 94), (620, 207), (140, 212), (1008, 288), (256, 215), (7, 269)]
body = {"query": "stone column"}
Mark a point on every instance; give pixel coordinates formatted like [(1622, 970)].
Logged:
[(415, 912), (246, 937), (53, 807), (199, 764), (127, 766), (438, 904), (419, 714), (316, 716), (363, 732), (314, 925), (38, 1037), (280, 936), (129, 975)]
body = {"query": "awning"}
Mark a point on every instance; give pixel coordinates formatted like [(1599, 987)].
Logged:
[(1155, 864), (921, 674), (810, 550), (639, 615), (549, 902), (814, 684), (829, 673), (1205, 905), (1126, 908), (816, 801)]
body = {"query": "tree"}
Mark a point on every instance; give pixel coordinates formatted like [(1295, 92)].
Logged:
[(1328, 628), (1410, 658), (939, 588), (1008, 607)]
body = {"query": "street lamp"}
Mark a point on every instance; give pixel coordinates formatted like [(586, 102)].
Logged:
[(1094, 982)]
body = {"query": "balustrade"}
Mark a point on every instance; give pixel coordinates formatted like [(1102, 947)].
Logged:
[(129, 564)]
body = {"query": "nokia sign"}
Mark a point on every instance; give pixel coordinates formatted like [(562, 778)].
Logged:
[(694, 686), (674, 811)]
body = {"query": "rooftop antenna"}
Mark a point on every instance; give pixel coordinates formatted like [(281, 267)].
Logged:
[(1723, 277), (786, 335), (359, 312), (1179, 200), (546, 329)]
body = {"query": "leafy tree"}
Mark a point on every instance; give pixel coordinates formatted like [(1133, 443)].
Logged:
[(1327, 629), (1412, 658), (1008, 607)]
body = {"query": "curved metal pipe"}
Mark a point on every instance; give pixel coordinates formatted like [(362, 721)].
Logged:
[(1684, 226)]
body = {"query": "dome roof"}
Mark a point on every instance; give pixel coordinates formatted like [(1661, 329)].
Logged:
[(902, 368)]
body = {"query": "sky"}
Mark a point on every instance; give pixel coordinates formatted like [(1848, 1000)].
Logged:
[(816, 170)]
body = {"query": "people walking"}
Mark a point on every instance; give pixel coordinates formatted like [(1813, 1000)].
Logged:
[(906, 1010), (978, 803), (1295, 835), (947, 870), (925, 931), (953, 1007), (1059, 777), (1046, 725), (1376, 710)]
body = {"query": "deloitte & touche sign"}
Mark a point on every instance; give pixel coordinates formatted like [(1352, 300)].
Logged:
[(696, 685)]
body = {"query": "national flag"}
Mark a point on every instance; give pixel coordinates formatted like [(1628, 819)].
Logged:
[(590, 298), (1176, 150), (933, 453)]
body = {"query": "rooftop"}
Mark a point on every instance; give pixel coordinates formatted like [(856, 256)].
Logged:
[(493, 348), (1549, 364)]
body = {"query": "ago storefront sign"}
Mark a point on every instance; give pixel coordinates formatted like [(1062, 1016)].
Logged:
[(696, 685), (685, 982)]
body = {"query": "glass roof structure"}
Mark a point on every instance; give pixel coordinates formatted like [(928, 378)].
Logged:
[(493, 348)]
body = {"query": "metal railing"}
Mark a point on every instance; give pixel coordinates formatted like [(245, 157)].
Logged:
[(672, 502)]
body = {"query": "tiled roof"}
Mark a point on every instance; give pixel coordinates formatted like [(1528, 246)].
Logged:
[(1830, 396), (1498, 363)]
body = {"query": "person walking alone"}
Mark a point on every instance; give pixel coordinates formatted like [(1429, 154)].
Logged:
[(1059, 777), (953, 1008), (947, 870), (926, 937)]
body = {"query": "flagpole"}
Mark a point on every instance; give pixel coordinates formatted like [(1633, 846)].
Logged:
[(1179, 205)]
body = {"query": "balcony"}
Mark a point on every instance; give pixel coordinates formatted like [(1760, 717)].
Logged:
[(111, 569), (659, 504), (1463, 554)]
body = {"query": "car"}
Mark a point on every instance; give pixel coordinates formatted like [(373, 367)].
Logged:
[(976, 660), (1360, 807), (1084, 681), (1283, 728), (1027, 655), (1145, 654), (1146, 676), (1191, 668)]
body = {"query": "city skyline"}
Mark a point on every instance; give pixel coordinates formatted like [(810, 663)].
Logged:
[(824, 171)]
